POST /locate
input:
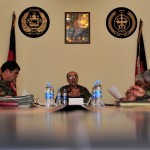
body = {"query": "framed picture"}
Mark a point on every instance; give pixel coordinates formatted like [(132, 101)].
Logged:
[(77, 27)]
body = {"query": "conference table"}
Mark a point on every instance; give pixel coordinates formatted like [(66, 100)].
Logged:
[(74, 127)]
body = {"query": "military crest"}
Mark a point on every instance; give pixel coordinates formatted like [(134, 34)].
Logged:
[(121, 22), (33, 22)]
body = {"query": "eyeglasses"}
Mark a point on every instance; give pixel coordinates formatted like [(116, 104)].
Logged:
[(72, 77)]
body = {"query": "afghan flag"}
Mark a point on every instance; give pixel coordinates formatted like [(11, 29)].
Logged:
[(141, 63), (12, 50), (12, 43)]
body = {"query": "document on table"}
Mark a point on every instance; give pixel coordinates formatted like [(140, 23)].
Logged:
[(114, 91), (25, 92), (75, 101)]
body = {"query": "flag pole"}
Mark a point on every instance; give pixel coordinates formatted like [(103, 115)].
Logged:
[(14, 19)]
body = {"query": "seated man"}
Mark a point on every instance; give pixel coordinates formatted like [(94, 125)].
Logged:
[(129, 95), (8, 74), (141, 89), (143, 92), (73, 89)]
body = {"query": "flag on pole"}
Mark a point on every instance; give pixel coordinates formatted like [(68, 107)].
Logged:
[(12, 50), (141, 63), (12, 43)]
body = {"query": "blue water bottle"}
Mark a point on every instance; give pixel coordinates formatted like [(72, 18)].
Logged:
[(58, 97), (64, 96), (98, 94), (48, 95)]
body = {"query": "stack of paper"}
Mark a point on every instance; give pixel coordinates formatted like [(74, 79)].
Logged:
[(21, 100)]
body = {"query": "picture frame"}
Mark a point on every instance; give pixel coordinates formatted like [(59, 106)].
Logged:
[(77, 27)]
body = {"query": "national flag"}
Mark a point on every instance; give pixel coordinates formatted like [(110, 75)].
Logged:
[(141, 63), (12, 50), (12, 43)]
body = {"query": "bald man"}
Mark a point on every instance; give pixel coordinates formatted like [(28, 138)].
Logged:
[(74, 90)]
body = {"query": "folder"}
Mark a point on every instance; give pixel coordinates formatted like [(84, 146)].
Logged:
[(20, 100), (8, 103), (134, 104)]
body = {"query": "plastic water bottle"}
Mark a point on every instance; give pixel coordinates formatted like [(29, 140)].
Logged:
[(93, 97), (64, 96), (58, 97), (52, 95), (98, 94), (48, 95)]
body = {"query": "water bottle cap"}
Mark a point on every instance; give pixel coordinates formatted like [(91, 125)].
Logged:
[(65, 90), (98, 81), (48, 84)]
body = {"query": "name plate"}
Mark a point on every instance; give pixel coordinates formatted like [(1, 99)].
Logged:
[(75, 101)]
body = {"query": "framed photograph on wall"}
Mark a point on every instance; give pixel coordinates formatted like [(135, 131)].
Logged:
[(77, 27)]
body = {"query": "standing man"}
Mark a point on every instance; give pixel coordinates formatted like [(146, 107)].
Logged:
[(8, 73), (74, 90)]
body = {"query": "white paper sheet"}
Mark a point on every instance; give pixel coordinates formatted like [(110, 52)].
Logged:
[(75, 101), (114, 91), (24, 93)]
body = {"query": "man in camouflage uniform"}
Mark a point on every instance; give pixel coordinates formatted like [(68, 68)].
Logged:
[(8, 74), (143, 93), (73, 89), (139, 92)]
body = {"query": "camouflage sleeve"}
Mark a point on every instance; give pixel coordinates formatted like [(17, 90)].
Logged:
[(85, 94), (145, 97), (147, 94), (5, 90)]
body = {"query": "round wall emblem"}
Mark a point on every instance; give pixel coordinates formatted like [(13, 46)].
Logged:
[(121, 22), (33, 22)]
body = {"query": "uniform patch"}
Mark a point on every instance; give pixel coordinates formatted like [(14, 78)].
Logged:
[(33, 22), (121, 22)]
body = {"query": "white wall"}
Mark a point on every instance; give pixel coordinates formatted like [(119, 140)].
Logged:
[(47, 58)]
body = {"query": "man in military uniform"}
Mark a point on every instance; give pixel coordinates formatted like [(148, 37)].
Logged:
[(8, 74), (141, 90), (73, 89), (143, 93)]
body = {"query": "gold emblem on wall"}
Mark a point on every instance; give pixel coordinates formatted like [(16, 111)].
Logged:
[(121, 22), (33, 22)]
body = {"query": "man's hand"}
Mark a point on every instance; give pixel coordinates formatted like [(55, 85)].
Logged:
[(130, 95), (137, 91)]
